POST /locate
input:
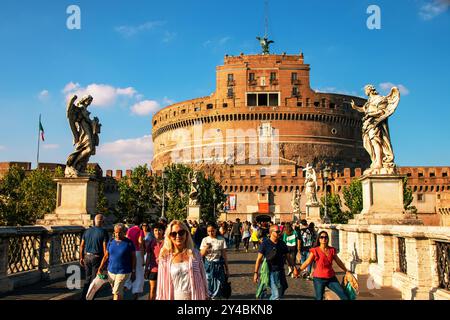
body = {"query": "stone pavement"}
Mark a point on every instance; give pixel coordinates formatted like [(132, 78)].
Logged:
[(241, 270)]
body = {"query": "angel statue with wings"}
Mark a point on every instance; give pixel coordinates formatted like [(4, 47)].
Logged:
[(265, 42), (85, 136), (375, 130)]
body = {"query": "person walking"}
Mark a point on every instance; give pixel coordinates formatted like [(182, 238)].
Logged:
[(151, 263), (92, 249), (181, 273), (214, 251), (254, 237), (291, 238), (275, 252), (246, 234), (136, 235), (306, 243), (121, 258), (236, 233), (324, 276), (223, 230)]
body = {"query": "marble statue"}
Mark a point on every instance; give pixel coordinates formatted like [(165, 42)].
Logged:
[(193, 194), (310, 185), (375, 129), (265, 42), (85, 136), (295, 202)]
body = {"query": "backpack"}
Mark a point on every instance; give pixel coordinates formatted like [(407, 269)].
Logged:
[(307, 239)]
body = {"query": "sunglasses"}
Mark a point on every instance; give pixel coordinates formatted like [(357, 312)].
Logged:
[(180, 233), (323, 237), (277, 231)]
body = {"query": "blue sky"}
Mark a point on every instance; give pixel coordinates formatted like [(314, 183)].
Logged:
[(139, 56)]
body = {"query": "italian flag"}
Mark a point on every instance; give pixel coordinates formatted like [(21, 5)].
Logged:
[(41, 130)]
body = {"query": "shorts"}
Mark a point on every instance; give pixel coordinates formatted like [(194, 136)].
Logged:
[(118, 282), (153, 276)]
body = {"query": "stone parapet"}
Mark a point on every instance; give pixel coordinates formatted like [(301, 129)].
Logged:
[(412, 259), (34, 253)]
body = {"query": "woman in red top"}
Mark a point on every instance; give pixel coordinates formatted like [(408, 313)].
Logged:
[(324, 276)]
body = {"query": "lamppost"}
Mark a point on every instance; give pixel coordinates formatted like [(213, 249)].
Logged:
[(214, 199), (163, 195), (326, 173)]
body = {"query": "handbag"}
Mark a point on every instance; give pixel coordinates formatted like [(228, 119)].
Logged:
[(350, 291)]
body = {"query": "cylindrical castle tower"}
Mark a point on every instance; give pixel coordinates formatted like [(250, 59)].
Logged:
[(261, 101)]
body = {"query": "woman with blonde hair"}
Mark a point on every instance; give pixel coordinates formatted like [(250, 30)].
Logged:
[(181, 273)]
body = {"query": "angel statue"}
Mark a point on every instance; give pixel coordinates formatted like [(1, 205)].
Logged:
[(310, 185), (375, 130), (194, 190), (85, 136), (295, 201), (265, 42)]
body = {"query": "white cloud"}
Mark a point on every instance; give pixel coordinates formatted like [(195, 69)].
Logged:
[(431, 10), (127, 153), (71, 87), (386, 86), (104, 95), (167, 101), (169, 36), (215, 43), (44, 95), (145, 108), (129, 31), (50, 146)]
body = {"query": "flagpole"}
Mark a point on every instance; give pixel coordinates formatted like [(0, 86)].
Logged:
[(39, 138)]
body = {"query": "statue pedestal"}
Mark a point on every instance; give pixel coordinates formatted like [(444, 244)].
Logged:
[(313, 213), (76, 202), (383, 201), (193, 213)]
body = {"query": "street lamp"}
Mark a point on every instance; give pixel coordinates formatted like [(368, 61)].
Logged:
[(163, 195), (326, 174), (214, 199)]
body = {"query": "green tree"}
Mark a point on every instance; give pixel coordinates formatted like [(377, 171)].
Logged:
[(334, 210), (26, 198), (39, 196), (136, 194), (353, 197), (11, 196), (407, 195), (177, 186)]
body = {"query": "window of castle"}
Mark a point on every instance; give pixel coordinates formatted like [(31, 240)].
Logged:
[(209, 106)]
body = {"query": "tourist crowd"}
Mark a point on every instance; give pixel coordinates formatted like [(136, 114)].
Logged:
[(187, 260)]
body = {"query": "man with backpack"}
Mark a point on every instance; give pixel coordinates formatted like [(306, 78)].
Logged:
[(306, 243)]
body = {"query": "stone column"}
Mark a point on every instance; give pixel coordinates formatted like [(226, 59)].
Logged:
[(194, 213), (54, 269), (383, 270), (313, 213), (418, 259)]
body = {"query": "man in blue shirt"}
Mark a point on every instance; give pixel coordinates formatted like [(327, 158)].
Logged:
[(121, 258), (92, 250), (276, 252)]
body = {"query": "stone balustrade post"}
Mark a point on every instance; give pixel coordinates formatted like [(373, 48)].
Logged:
[(6, 284), (55, 269), (419, 265)]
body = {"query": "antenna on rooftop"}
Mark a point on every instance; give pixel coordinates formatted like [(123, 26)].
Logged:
[(266, 22)]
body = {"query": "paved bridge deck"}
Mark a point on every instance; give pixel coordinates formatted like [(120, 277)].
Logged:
[(241, 269)]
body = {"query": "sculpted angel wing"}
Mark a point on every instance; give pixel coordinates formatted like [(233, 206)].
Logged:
[(393, 99), (71, 116)]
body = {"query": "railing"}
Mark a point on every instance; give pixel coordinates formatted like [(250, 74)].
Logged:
[(402, 255), (443, 264), (31, 254), (412, 259)]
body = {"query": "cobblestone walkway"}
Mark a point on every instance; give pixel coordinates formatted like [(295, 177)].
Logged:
[(242, 265)]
